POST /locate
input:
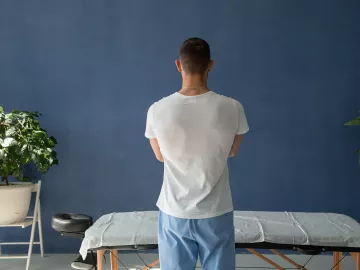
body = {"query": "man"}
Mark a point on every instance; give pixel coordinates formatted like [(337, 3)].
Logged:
[(194, 131)]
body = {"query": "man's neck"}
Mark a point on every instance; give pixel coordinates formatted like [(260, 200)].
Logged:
[(194, 85)]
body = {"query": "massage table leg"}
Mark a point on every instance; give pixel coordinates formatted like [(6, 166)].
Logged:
[(265, 259), (100, 255), (114, 259), (288, 259), (337, 258), (356, 257), (155, 263)]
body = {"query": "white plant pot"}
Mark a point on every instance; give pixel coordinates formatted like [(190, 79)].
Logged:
[(14, 202)]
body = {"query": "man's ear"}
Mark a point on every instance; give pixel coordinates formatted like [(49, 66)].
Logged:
[(211, 64), (178, 65)]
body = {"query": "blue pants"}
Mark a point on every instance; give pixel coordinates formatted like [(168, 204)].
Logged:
[(182, 241)]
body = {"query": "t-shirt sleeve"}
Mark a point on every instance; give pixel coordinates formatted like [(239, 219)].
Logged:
[(242, 124), (149, 131)]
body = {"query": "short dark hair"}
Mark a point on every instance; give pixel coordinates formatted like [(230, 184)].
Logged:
[(195, 55)]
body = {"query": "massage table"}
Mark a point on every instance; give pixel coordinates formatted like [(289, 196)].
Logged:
[(308, 233)]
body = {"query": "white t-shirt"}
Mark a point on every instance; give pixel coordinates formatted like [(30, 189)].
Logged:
[(195, 135)]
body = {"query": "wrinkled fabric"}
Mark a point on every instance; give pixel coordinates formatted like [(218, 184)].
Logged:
[(183, 241), (294, 228)]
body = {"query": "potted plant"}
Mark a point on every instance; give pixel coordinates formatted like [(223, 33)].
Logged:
[(22, 141), (355, 122)]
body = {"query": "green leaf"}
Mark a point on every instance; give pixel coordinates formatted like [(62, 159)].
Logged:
[(25, 154), (53, 139), (354, 122), (23, 140), (10, 132), (2, 130), (36, 124), (1, 109), (36, 114), (19, 175), (8, 142), (24, 148)]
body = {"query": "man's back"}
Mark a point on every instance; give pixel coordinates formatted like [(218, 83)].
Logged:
[(195, 135), (193, 132)]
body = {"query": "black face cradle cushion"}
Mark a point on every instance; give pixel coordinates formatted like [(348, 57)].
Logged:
[(71, 223)]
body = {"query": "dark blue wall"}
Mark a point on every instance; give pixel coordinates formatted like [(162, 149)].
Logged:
[(94, 67)]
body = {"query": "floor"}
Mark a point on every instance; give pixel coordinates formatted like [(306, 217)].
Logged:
[(62, 262)]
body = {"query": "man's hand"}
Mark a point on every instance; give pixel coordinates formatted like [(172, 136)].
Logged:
[(236, 145), (156, 148)]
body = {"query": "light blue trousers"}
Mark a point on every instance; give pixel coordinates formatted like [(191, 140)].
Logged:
[(182, 241)]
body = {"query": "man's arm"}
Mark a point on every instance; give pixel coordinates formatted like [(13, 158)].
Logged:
[(236, 145), (150, 134), (156, 148), (242, 128)]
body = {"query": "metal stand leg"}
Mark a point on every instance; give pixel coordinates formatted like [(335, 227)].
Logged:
[(36, 211), (40, 232)]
